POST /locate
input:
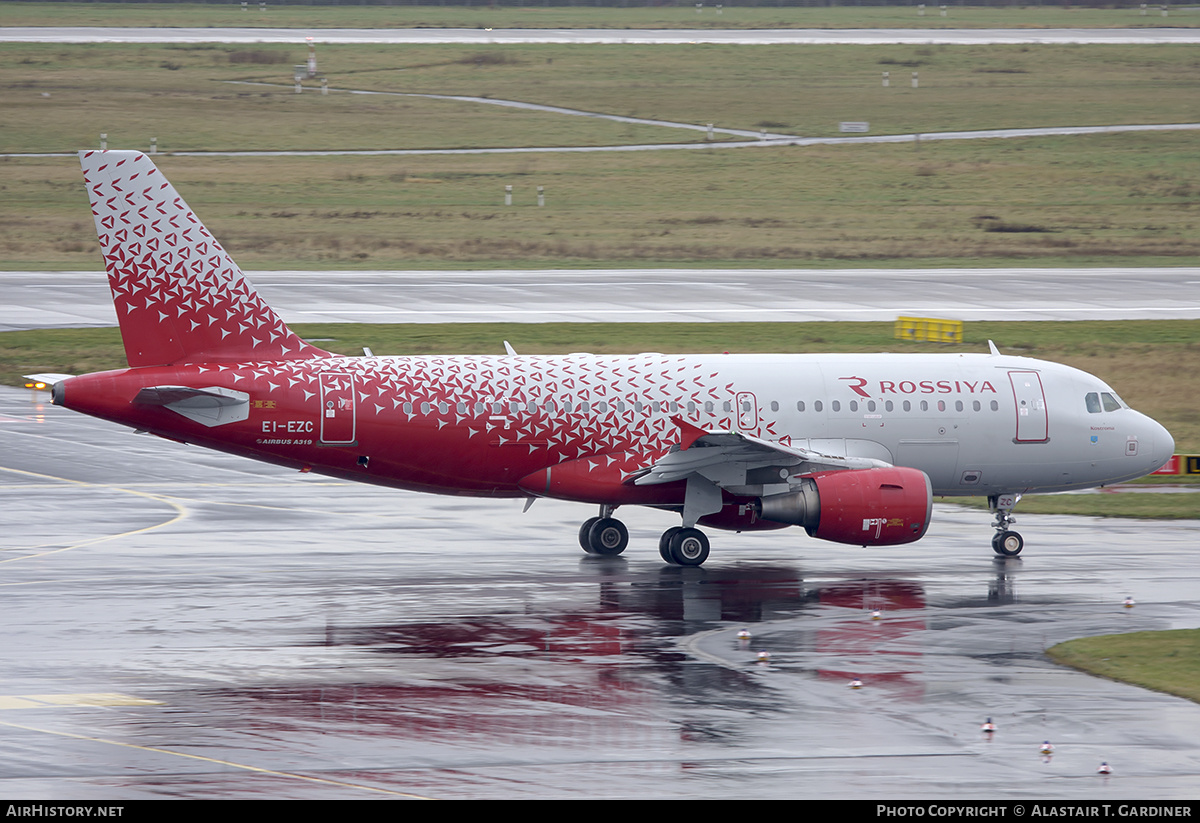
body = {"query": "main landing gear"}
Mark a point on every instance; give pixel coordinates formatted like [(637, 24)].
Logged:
[(1005, 542), (603, 535), (681, 546), (608, 537)]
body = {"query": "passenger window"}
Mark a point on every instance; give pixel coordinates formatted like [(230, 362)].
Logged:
[(818, 405), (836, 405), (853, 405), (1093, 403), (800, 405)]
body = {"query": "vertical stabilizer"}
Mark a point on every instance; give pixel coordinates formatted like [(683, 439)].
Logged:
[(179, 297)]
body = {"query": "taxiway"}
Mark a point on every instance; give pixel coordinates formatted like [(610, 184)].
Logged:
[(66, 299)]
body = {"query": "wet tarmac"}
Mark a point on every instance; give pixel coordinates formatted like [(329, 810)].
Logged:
[(65, 299), (477, 36), (180, 623)]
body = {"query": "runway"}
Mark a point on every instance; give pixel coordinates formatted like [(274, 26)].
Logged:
[(751, 37), (70, 299), (180, 623)]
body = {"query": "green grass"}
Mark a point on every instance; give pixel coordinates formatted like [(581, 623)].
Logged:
[(1119, 199), (683, 15), (60, 98), (1163, 661), (1102, 200)]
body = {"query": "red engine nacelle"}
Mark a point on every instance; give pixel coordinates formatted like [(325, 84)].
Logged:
[(867, 507)]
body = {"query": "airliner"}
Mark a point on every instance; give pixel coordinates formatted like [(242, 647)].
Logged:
[(852, 448)]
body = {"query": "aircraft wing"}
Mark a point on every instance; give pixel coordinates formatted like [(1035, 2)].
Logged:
[(730, 458)]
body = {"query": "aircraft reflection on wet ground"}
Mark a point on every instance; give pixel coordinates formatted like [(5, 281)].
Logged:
[(209, 627)]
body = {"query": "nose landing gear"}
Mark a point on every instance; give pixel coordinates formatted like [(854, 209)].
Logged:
[(1005, 542)]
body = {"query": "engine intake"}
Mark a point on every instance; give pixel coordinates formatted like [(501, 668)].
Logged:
[(867, 507)]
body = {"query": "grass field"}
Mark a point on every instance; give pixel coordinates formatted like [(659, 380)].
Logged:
[(1163, 661), (533, 15), (1105, 199)]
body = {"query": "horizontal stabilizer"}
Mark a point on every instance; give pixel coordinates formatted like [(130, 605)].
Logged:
[(212, 406), (49, 378)]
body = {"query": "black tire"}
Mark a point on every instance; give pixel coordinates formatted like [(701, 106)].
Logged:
[(607, 537), (1007, 544), (584, 531), (664, 544), (689, 547)]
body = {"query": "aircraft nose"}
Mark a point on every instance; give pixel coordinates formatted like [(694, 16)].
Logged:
[(1164, 445)]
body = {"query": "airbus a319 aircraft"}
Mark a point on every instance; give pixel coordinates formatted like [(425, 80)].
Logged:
[(853, 448)]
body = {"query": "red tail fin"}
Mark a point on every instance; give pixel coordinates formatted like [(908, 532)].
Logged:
[(179, 297)]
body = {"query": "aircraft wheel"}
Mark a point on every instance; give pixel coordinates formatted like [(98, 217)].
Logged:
[(607, 536), (1007, 544), (584, 531), (689, 547), (664, 544)]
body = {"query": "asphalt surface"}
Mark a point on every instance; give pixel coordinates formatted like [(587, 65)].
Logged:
[(962, 37), (64, 299), (181, 623)]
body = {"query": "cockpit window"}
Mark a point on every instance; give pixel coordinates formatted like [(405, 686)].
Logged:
[(1093, 402), (1111, 403)]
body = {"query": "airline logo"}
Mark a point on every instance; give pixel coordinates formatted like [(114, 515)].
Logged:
[(859, 386)]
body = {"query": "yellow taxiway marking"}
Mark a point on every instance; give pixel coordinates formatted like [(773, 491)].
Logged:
[(41, 701), (180, 513)]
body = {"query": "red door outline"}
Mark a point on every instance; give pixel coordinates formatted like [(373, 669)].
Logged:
[(1033, 425), (338, 416)]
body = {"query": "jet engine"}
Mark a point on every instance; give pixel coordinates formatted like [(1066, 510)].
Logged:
[(868, 507)]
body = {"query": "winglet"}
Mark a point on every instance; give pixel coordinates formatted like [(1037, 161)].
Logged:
[(508, 349), (688, 434), (992, 348)]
